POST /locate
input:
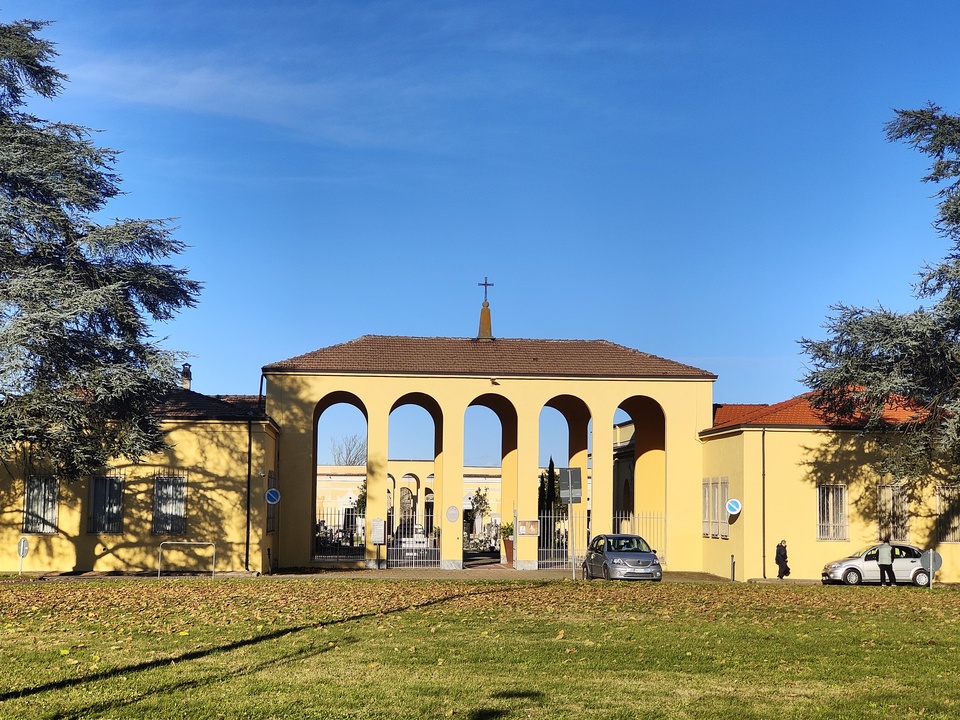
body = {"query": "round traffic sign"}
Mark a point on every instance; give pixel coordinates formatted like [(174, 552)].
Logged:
[(22, 547), (272, 496), (931, 560), (734, 506)]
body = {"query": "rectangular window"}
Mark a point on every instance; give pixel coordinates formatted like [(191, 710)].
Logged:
[(722, 506), (832, 512), (170, 505), (271, 509), (948, 513), (892, 515), (715, 522), (106, 493), (40, 505), (714, 508), (706, 507)]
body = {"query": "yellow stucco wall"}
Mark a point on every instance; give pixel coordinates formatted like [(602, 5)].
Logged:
[(213, 456), (293, 401), (775, 472)]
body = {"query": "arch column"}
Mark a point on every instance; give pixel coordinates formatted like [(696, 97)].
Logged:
[(378, 424), (508, 475), (528, 470), (601, 489), (448, 490)]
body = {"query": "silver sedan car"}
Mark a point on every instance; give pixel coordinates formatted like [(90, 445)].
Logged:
[(621, 557), (862, 567)]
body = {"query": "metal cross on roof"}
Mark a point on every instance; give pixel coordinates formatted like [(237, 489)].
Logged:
[(485, 285)]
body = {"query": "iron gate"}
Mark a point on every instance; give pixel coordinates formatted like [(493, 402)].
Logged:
[(412, 545)]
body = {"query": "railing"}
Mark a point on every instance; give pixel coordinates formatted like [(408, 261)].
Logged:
[(408, 545), (651, 526), (562, 541), (339, 536)]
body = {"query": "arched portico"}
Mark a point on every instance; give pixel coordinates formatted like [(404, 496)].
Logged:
[(640, 488), (587, 381)]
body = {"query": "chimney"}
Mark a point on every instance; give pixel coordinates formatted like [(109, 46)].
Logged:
[(185, 376)]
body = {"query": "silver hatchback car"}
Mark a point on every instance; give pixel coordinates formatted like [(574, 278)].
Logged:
[(621, 557), (862, 567)]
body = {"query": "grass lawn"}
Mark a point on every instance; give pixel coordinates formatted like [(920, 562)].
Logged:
[(313, 647)]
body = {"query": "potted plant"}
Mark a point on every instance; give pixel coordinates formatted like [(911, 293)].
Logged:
[(506, 534)]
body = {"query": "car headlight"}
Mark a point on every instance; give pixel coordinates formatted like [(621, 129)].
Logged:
[(833, 566), (618, 561)]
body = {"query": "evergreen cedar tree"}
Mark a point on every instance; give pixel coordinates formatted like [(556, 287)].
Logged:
[(874, 359), (81, 378)]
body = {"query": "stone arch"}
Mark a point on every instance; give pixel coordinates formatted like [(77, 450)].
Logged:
[(406, 508), (432, 407), (564, 527), (641, 459), (413, 470), (577, 414), (506, 413), (429, 523), (336, 398), (334, 497)]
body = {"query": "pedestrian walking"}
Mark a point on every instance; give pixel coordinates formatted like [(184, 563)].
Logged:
[(781, 560)]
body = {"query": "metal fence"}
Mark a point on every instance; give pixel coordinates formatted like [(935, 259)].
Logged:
[(339, 536), (409, 546), (650, 526), (564, 536), (562, 539)]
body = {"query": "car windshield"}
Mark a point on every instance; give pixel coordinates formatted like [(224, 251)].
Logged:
[(862, 551), (627, 544)]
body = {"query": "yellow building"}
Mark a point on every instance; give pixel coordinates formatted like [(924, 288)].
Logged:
[(202, 496), (587, 382), (242, 477), (806, 481)]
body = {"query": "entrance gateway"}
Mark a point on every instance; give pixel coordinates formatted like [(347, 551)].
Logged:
[(589, 382)]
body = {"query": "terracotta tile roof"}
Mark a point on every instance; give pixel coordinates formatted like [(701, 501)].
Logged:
[(730, 414), (796, 412), (386, 354), (188, 405)]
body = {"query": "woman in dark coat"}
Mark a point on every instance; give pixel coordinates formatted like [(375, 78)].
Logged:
[(781, 560)]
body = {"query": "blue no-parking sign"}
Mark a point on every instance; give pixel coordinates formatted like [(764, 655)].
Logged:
[(272, 496), (734, 506)]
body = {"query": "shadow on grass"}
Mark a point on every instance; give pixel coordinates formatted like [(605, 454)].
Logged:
[(534, 696), (237, 645)]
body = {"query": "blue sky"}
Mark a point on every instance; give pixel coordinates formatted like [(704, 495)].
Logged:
[(697, 180)]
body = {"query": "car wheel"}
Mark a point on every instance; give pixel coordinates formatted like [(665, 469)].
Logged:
[(852, 577), (922, 578), (606, 573), (586, 572)]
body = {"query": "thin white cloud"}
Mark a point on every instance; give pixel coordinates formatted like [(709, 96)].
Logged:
[(375, 90)]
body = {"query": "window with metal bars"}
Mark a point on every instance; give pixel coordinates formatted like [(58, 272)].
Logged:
[(892, 513), (170, 505), (41, 505), (832, 512), (106, 504), (948, 513)]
